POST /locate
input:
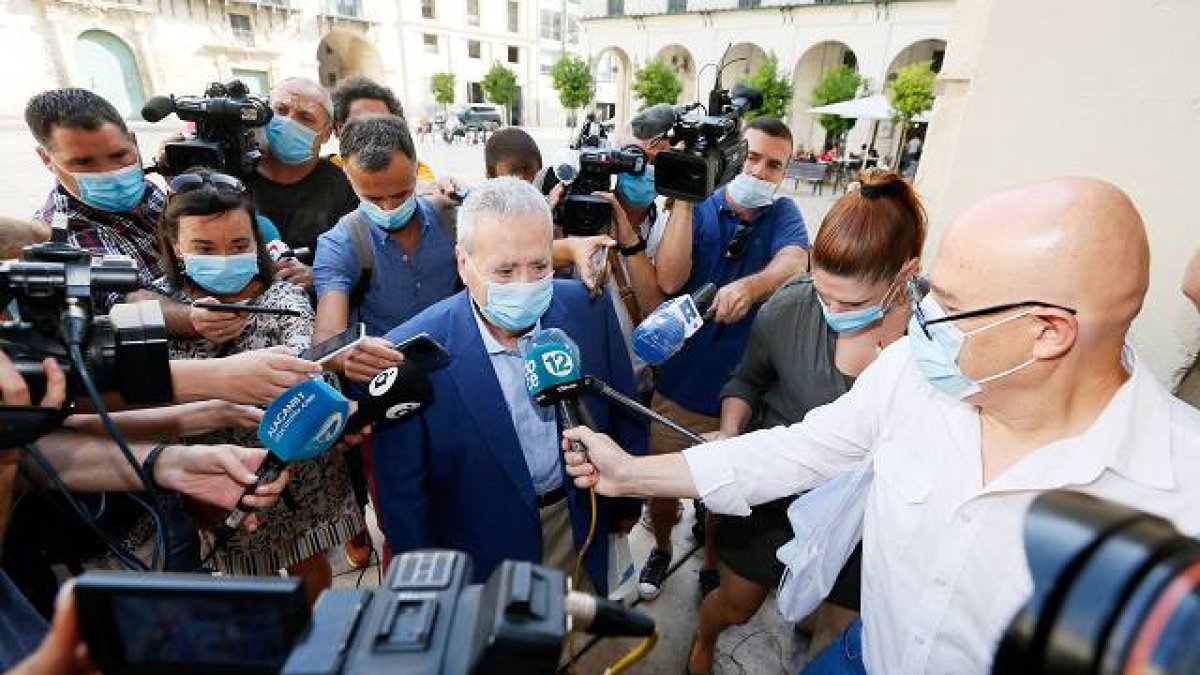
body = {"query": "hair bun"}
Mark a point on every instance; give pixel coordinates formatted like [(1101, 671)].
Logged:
[(890, 188)]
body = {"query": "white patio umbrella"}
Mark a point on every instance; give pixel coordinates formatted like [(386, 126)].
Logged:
[(875, 107)]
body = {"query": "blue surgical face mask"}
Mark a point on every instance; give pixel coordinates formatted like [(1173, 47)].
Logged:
[(119, 190), (856, 320), (516, 305), (221, 274), (749, 192), (289, 141), (937, 357), (393, 220), (637, 191)]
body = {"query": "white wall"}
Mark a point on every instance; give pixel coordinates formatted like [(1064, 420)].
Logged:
[(1036, 89)]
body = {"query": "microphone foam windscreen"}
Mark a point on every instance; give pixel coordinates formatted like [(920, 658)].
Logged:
[(395, 393), (653, 121), (304, 422), (551, 364), (659, 336), (158, 108)]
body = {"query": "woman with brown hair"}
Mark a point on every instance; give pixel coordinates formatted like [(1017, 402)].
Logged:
[(807, 345), (213, 252)]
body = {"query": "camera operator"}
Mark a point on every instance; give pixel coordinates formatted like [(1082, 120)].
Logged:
[(110, 206), (215, 475), (749, 244), (301, 192), (1015, 378)]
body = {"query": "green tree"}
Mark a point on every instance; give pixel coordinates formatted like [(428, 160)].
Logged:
[(500, 87), (656, 83), (573, 81), (911, 94), (837, 84), (775, 88), (441, 85)]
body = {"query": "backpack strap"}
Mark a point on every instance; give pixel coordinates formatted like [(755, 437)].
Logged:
[(360, 236)]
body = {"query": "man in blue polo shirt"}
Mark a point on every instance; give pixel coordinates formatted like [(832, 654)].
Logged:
[(749, 243)]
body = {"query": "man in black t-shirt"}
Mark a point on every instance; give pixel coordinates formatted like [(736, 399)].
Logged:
[(301, 193)]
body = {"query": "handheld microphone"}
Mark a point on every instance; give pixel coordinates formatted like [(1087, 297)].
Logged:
[(552, 374), (301, 424), (277, 248), (662, 334), (395, 394)]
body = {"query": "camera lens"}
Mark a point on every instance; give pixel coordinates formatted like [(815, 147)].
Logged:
[(1115, 591)]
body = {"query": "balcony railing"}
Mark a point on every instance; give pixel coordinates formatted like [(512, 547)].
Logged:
[(271, 4), (619, 8)]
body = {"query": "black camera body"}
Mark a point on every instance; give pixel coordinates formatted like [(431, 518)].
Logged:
[(582, 214), (1115, 591), (713, 149), (125, 351), (225, 119), (426, 619)]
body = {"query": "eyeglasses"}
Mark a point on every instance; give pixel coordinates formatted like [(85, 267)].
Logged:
[(737, 244), (918, 288), (190, 182)]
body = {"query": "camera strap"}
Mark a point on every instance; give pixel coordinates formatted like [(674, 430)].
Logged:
[(624, 287), (360, 236)]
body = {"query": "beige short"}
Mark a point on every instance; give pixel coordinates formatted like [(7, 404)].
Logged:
[(665, 440)]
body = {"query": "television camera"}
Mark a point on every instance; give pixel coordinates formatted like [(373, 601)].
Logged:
[(225, 118)]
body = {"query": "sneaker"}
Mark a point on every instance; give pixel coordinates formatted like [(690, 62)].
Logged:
[(654, 572), (358, 550), (709, 581)]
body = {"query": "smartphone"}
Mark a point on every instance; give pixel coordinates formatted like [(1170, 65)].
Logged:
[(322, 352), (247, 309), (423, 351), (137, 624)]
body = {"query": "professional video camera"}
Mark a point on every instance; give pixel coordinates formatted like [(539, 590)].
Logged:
[(713, 148), (427, 618), (582, 214), (125, 351), (225, 118), (1115, 591)]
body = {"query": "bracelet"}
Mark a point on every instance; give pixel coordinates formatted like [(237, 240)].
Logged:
[(149, 464), (637, 248)]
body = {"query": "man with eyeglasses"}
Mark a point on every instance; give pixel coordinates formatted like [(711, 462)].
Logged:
[(1015, 378), (110, 207), (749, 243)]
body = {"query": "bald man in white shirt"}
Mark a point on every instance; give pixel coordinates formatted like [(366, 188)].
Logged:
[(1016, 378)]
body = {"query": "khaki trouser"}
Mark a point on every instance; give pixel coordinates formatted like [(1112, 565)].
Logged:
[(664, 513), (558, 544)]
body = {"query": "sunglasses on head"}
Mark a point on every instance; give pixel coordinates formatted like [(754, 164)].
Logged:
[(918, 288), (190, 182)]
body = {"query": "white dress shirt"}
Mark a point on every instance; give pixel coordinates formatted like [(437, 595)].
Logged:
[(944, 567)]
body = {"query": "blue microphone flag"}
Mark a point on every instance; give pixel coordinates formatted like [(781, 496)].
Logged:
[(304, 422), (552, 365)]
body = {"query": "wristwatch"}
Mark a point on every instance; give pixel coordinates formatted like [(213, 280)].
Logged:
[(637, 248)]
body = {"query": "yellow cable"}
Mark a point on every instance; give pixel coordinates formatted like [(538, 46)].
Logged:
[(575, 574), (636, 654)]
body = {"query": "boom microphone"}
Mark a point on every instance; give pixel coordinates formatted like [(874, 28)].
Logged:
[(606, 618), (158, 108), (662, 334)]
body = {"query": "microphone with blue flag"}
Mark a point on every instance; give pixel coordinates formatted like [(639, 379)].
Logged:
[(662, 334), (300, 425), (554, 375)]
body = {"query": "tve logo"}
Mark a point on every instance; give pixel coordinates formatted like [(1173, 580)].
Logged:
[(558, 363)]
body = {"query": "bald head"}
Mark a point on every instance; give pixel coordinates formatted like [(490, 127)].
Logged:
[(1076, 242)]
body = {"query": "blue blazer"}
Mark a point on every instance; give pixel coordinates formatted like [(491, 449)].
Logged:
[(454, 475)]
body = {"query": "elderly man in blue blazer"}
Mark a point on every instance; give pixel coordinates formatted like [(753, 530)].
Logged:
[(480, 469)]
